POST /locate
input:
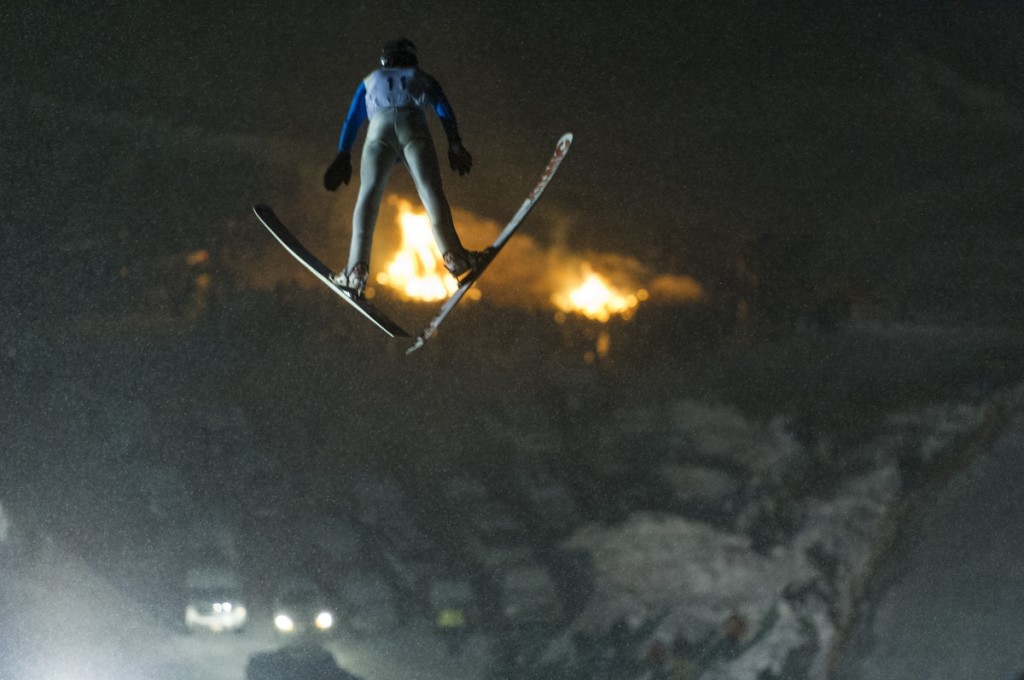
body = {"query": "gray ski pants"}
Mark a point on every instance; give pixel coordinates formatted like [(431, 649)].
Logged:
[(393, 134)]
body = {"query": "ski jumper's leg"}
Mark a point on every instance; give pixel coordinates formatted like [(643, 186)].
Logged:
[(380, 150), (421, 159)]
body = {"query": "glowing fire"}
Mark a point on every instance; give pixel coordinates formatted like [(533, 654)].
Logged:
[(596, 298), (416, 270), (599, 286)]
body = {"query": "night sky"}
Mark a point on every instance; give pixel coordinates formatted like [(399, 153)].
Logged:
[(875, 144)]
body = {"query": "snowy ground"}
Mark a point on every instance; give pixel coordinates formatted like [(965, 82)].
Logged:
[(797, 597), (950, 605), (63, 621), (740, 551), (69, 622)]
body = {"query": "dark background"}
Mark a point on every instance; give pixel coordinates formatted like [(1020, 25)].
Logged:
[(861, 162), (807, 166), (815, 170), (873, 148)]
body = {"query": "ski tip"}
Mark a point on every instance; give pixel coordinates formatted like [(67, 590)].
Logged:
[(416, 345), (562, 145)]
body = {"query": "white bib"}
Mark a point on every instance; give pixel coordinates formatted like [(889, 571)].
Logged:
[(394, 88)]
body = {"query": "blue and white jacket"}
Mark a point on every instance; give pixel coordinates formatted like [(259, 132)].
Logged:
[(396, 88)]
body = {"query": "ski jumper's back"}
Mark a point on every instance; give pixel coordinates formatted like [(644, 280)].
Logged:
[(394, 101)]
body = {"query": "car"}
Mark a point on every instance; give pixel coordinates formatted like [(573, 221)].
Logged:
[(493, 537), (296, 662), (335, 541), (528, 594), (453, 610), (553, 509), (407, 552), (300, 607), (453, 602), (214, 601), (369, 603)]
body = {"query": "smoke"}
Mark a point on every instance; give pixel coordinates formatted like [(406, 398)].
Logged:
[(527, 274), (530, 276), (672, 288)]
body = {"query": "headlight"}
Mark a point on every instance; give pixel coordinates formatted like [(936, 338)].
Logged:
[(284, 623), (324, 620)]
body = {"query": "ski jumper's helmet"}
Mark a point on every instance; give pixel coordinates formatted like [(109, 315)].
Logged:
[(399, 53)]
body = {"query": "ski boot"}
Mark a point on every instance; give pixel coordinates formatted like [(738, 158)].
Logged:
[(462, 265), (354, 279)]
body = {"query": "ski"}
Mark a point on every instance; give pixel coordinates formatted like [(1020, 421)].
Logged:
[(320, 270), (561, 149)]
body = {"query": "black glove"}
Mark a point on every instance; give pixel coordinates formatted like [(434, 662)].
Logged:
[(340, 171), (459, 158)]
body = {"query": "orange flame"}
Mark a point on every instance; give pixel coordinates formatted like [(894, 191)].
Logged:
[(416, 270), (597, 286), (596, 298)]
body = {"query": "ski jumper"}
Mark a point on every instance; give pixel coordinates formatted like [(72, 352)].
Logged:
[(394, 101)]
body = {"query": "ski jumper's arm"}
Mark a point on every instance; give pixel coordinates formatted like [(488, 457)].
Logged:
[(355, 119), (458, 157), (443, 109)]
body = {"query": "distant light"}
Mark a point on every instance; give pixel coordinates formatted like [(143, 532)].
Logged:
[(596, 298), (324, 620), (284, 623), (604, 344), (197, 257)]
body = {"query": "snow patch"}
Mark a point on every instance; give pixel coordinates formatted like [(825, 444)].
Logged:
[(83, 628), (719, 432), (929, 431), (652, 563)]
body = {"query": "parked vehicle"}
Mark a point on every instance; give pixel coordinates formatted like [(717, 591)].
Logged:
[(454, 611), (528, 594), (368, 603), (296, 662), (409, 554), (453, 602), (553, 509), (300, 607), (494, 537), (214, 601)]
